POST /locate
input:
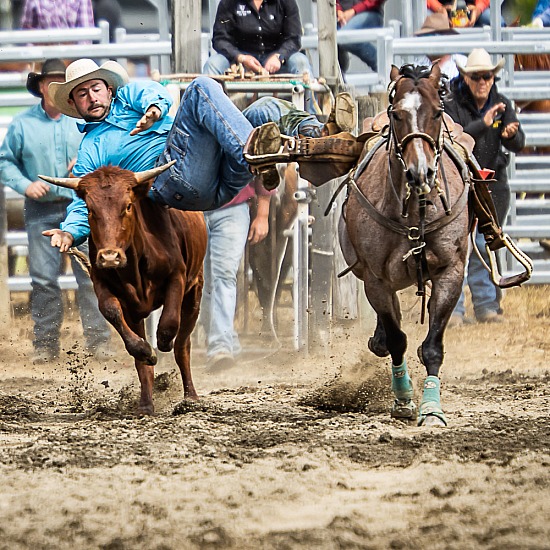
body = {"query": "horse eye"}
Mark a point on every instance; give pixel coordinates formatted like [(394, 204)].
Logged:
[(438, 114), (395, 115)]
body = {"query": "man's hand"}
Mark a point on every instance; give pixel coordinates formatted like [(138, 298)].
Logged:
[(147, 120), (492, 113), (259, 228), (474, 16), (251, 63), (510, 130), (273, 63), (37, 189), (344, 16), (61, 239)]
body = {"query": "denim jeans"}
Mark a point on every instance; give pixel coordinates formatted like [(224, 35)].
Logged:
[(44, 268), (485, 295), (291, 121), (206, 140), (297, 64), (365, 51), (227, 234)]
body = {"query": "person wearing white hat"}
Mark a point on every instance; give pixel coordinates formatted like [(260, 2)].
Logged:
[(41, 140), (490, 118)]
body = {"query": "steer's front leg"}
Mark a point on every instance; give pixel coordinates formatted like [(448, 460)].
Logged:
[(133, 337)]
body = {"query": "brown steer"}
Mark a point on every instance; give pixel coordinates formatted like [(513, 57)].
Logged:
[(143, 257)]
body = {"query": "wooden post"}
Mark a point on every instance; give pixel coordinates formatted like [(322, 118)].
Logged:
[(186, 36), (328, 57)]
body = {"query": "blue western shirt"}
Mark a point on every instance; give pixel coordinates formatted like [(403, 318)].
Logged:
[(37, 144), (109, 142)]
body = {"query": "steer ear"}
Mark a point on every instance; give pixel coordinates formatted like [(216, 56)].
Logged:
[(153, 173), (69, 183)]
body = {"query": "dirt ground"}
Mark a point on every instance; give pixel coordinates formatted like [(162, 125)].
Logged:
[(284, 451)]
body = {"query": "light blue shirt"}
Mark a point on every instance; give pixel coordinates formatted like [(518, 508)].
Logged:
[(37, 144), (109, 142)]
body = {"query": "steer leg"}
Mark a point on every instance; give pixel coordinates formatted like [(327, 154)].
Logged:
[(169, 322), (146, 374), (134, 339), (182, 348)]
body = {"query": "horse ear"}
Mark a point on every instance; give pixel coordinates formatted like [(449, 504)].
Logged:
[(435, 76), (394, 73)]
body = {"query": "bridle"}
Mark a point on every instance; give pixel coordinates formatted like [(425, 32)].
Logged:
[(400, 144)]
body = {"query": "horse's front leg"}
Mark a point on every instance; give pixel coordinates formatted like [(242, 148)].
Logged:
[(389, 338), (136, 344), (446, 289)]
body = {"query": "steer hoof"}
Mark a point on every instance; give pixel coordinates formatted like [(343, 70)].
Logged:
[(146, 409), (143, 352)]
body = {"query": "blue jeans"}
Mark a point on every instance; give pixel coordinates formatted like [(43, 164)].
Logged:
[(292, 121), (485, 295), (365, 51), (297, 63), (44, 268), (206, 140), (227, 234)]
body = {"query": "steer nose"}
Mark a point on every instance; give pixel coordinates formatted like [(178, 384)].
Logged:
[(110, 258)]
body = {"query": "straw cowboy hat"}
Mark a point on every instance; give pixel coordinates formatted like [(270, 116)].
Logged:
[(79, 71), (51, 67), (434, 24), (479, 61)]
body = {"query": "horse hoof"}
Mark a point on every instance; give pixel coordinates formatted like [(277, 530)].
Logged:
[(378, 350), (432, 421), (419, 353), (403, 409)]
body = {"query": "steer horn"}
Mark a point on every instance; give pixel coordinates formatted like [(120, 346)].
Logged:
[(153, 173), (69, 183)]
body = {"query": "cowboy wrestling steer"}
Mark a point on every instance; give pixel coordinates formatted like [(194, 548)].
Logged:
[(143, 257)]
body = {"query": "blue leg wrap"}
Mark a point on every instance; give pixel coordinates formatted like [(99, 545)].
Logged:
[(401, 383), (431, 404)]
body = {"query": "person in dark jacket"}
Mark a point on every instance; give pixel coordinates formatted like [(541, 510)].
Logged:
[(490, 118), (263, 35)]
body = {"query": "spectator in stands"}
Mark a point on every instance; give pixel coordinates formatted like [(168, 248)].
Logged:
[(541, 14), (65, 14), (228, 228), (43, 141), (490, 118), (437, 24), (356, 15), (479, 13), (262, 35), (110, 11)]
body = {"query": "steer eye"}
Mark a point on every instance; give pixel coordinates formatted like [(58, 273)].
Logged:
[(128, 207)]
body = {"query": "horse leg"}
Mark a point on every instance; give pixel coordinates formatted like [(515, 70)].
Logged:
[(388, 336), (446, 290)]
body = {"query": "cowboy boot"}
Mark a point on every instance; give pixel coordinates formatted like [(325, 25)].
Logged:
[(265, 140), (343, 116)]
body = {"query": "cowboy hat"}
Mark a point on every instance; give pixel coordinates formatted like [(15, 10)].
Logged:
[(80, 71), (434, 24), (51, 67), (479, 61)]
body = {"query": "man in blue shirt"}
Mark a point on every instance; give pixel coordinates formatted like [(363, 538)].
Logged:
[(42, 140), (127, 125)]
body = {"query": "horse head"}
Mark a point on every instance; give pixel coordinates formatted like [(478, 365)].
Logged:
[(416, 128)]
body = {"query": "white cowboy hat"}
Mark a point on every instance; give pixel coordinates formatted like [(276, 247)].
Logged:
[(79, 71), (479, 61)]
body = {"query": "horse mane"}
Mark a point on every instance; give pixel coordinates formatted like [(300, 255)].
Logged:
[(415, 72)]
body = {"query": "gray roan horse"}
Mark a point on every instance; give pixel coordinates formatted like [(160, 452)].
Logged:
[(405, 222)]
